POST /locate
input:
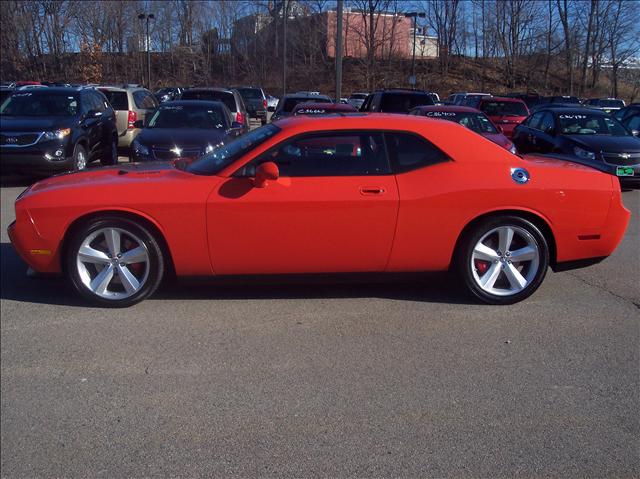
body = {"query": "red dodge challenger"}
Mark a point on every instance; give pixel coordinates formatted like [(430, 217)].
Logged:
[(344, 193)]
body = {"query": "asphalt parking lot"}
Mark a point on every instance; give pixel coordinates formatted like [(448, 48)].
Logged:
[(403, 379)]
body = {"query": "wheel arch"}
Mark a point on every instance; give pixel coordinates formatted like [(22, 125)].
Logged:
[(145, 221), (541, 223)]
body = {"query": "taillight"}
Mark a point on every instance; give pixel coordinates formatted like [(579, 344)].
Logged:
[(131, 119), (240, 118), (264, 103)]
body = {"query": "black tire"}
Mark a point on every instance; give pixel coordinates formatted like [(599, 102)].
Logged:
[(80, 158), (156, 260), (111, 156), (466, 268)]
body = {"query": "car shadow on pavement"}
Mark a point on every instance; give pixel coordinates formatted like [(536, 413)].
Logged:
[(438, 288)]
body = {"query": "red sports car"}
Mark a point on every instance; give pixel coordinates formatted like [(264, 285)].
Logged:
[(352, 193), (473, 119)]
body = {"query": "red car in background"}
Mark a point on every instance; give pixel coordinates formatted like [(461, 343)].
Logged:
[(507, 113), (468, 117), (311, 109)]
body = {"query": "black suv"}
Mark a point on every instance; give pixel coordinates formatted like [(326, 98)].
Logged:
[(44, 131), (396, 100)]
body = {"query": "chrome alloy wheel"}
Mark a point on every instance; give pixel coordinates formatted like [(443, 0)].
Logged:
[(81, 161), (113, 263), (505, 260)]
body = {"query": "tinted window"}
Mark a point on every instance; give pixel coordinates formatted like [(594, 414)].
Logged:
[(547, 124), (633, 123), (409, 152), (30, 103), (95, 102), (358, 96), (118, 99), (534, 120), (585, 124), (223, 156), (179, 116), (211, 95), (403, 102), (503, 108), (335, 154), (4, 94), (144, 100), (251, 93)]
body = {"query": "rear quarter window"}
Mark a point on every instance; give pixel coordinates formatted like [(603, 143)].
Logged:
[(118, 99), (409, 151)]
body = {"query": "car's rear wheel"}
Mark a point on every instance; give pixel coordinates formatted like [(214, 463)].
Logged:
[(114, 262), (111, 156), (79, 158), (503, 259)]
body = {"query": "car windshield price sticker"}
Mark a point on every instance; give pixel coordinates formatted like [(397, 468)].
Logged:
[(573, 117), (624, 171)]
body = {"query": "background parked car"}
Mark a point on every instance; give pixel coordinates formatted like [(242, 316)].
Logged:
[(357, 99), (470, 118), (168, 94), (228, 96), (584, 133), (46, 131), (530, 99), (5, 91), (629, 116), (395, 100), (465, 99), (608, 105), (288, 103), (504, 112), (255, 101), (131, 103), (184, 129), (313, 109)]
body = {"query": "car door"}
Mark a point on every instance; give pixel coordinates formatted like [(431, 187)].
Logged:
[(333, 209), (91, 123), (546, 135), (525, 134)]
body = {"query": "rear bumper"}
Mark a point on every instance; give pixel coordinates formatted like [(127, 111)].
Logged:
[(125, 139)]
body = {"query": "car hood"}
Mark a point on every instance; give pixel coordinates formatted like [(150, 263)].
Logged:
[(127, 173), (181, 136), (24, 123), (498, 139), (606, 143)]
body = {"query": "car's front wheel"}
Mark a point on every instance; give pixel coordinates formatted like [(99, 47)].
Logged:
[(79, 158), (114, 262), (503, 259)]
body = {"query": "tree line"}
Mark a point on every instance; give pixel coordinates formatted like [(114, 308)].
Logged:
[(578, 46)]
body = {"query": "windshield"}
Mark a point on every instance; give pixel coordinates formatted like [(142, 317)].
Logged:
[(403, 102), (118, 99), (585, 124), (43, 104), (250, 93), (503, 108), (474, 121), (211, 95), (179, 116), (224, 155)]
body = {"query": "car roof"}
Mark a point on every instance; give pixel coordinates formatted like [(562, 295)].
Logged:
[(306, 95), (206, 88), (571, 111), (56, 89), (337, 107), (450, 108), (503, 99), (203, 103)]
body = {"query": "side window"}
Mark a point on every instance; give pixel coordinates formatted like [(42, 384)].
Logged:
[(410, 152), (143, 99), (98, 102), (330, 154), (367, 103), (85, 104), (547, 124), (534, 121)]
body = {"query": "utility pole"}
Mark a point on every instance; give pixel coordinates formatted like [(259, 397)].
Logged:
[(285, 11), (414, 15), (147, 17), (339, 50)]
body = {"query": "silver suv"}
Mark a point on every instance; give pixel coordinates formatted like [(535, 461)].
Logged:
[(131, 103)]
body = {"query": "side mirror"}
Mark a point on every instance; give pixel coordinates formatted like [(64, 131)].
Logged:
[(138, 124), (265, 172)]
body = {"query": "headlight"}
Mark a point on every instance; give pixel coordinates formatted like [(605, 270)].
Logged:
[(56, 135), (584, 154), (513, 149), (139, 148)]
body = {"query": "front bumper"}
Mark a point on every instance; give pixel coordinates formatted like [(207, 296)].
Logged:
[(34, 250), (40, 160)]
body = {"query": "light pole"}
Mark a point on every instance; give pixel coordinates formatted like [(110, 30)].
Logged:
[(147, 17), (414, 15), (339, 13), (285, 11)]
